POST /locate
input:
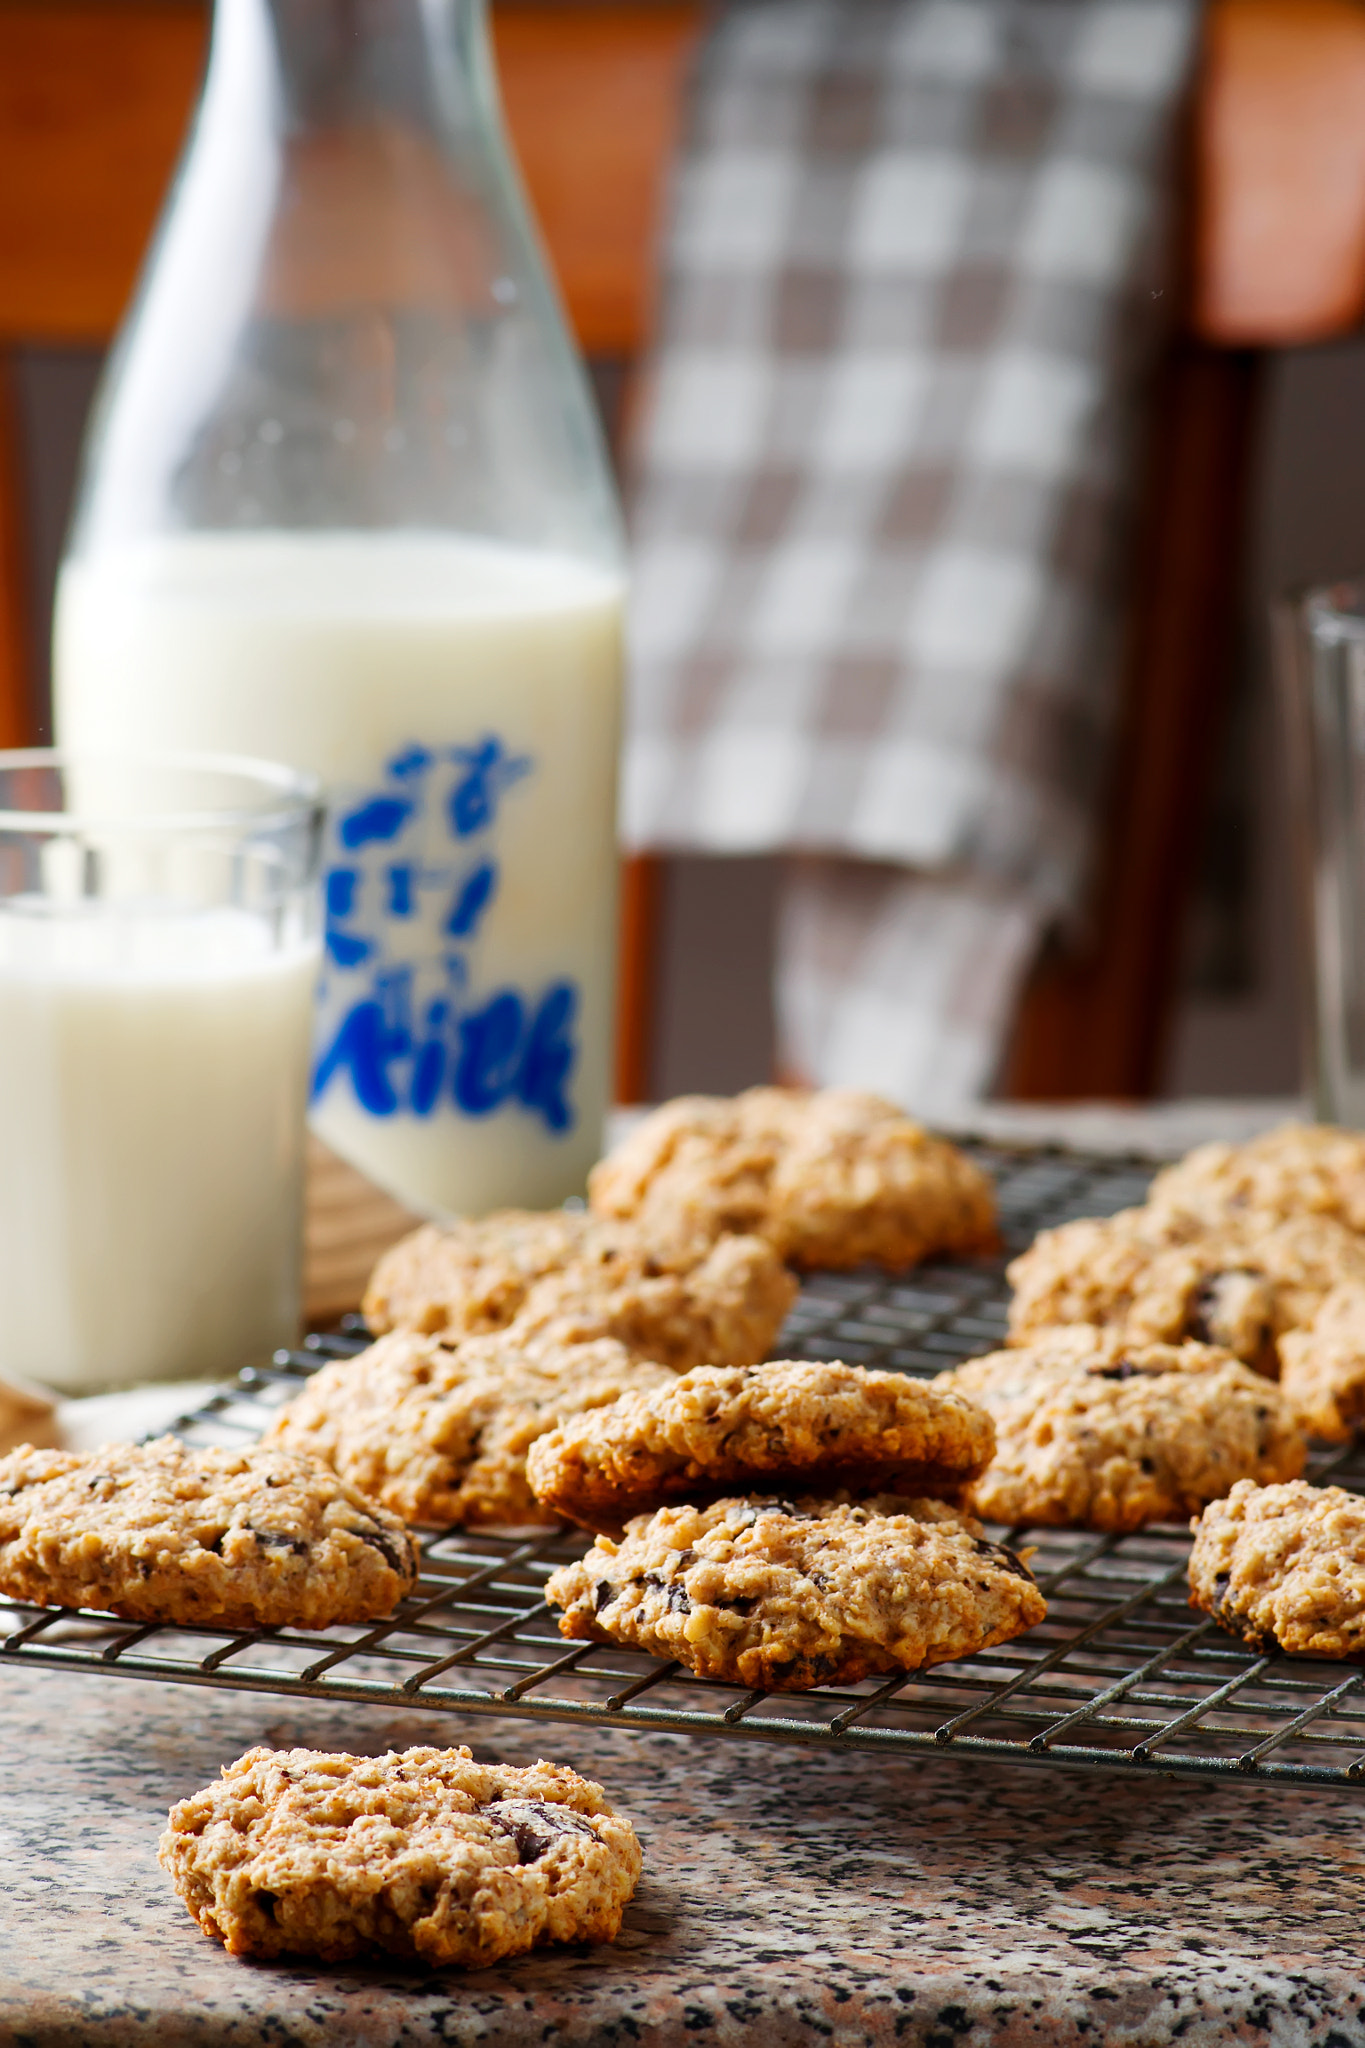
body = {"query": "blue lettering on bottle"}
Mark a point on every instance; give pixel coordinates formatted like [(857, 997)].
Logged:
[(401, 880), (472, 898), (429, 1066), (409, 762), (549, 1057), (345, 949), (378, 821), (490, 1049), (488, 770), (399, 924)]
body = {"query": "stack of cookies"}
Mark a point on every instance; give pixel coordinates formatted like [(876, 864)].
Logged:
[(783, 1526)]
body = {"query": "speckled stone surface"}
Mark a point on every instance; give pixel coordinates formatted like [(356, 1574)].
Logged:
[(786, 1899)]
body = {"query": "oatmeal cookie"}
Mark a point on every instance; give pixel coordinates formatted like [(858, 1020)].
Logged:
[(1322, 1367), (1298, 1170), (1240, 1286), (1286, 1565), (160, 1532), (830, 1178), (777, 1428), (1093, 1434), (784, 1595), (440, 1434), (681, 1306), (421, 1853)]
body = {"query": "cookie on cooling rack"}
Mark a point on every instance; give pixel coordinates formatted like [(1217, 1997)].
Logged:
[(1322, 1367), (1240, 1286), (1093, 1434), (162, 1532), (794, 1425), (784, 1595), (1286, 1565), (830, 1178), (1298, 1170), (680, 1305), (440, 1434), (421, 1853)]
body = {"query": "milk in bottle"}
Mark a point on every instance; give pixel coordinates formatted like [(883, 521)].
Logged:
[(346, 507), (460, 700)]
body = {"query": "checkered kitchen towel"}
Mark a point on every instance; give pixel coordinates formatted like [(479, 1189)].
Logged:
[(912, 294)]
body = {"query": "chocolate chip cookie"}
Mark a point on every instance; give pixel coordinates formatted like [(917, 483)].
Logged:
[(1286, 1565), (784, 1595), (830, 1178), (160, 1532), (1298, 1170), (778, 1428), (1322, 1367), (679, 1305), (1093, 1434), (440, 1434), (421, 1853), (1240, 1286)]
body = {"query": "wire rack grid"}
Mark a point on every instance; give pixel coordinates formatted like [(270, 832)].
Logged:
[(1122, 1675)]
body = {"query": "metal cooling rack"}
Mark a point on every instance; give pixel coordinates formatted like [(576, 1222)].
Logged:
[(1122, 1675)]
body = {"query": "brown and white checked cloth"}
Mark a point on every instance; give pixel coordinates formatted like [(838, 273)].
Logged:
[(912, 294)]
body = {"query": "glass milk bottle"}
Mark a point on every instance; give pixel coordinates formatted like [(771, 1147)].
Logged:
[(346, 506)]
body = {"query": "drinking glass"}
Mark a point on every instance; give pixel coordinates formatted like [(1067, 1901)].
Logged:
[(158, 955), (1320, 669)]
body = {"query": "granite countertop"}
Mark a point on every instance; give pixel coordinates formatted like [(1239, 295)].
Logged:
[(787, 1899)]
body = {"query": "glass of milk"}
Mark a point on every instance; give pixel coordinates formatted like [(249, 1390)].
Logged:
[(346, 505), (159, 950)]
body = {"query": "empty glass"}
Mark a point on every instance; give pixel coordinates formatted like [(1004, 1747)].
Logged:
[(1320, 648)]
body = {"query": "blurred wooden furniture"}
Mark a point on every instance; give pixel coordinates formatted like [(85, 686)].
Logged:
[(94, 96)]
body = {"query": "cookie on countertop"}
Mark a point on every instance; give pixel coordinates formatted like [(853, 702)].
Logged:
[(784, 1595), (680, 1305), (778, 1428), (830, 1178), (162, 1532), (1239, 1286), (440, 1434), (1297, 1170), (1094, 1434), (421, 1853), (1286, 1565)]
